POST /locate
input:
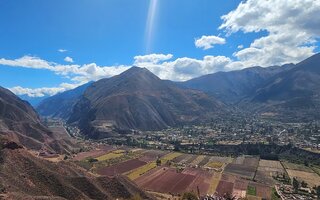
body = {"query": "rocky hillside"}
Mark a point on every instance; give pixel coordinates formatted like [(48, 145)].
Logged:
[(24, 176), (20, 122), (137, 99)]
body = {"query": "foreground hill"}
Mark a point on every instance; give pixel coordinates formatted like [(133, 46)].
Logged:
[(137, 99), (61, 105), (20, 122), (24, 176)]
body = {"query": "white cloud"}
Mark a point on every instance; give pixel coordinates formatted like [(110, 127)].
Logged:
[(292, 29), (186, 68), (62, 50), (240, 46), (152, 58), (207, 42), (44, 91), (68, 59)]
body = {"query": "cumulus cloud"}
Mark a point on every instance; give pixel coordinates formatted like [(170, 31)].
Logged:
[(41, 92), (240, 46), (68, 59), (62, 50), (292, 29), (207, 42), (152, 58)]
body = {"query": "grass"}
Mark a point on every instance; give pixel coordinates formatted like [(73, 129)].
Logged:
[(251, 190), (274, 195), (214, 164), (145, 168), (111, 155)]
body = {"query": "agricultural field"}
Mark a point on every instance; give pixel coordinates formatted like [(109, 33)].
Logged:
[(197, 160), (244, 177), (168, 180), (311, 178), (297, 167), (99, 151), (121, 168), (243, 166), (111, 155), (142, 170), (268, 169), (214, 165)]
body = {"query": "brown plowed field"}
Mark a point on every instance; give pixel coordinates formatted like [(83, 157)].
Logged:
[(166, 180), (121, 168), (241, 170), (151, 155), (202, 180), (224, 187), (93, 154)]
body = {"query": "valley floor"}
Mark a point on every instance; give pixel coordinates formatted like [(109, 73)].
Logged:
[(168, 175)]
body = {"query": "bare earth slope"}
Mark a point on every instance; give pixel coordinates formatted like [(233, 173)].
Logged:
[(137, 99), (24, 176)]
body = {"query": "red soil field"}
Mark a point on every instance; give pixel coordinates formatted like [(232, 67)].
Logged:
[(166, 180), (202, 180), (241, 184), (151, 155), (224, 187), (93, 153), (121, 168)]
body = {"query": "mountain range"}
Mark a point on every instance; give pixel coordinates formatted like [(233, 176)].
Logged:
[(137, 99)]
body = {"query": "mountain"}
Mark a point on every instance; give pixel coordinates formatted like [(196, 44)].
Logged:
[(137, 99), (60, 105), (34, 101), (231, 87), (20, 122), (291, 95), (25, 176)]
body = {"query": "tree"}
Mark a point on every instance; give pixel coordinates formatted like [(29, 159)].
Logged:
[(295, 184), (158, 162), (189, 196)]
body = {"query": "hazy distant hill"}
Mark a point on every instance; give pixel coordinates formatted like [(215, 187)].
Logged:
[(34, 101), (231, 87), (61, 105), (137, 99), (294, 94)]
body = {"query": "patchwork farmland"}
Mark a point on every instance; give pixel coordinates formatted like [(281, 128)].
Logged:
[(173, 173)]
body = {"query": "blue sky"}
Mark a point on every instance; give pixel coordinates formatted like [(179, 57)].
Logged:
[(103, 37)]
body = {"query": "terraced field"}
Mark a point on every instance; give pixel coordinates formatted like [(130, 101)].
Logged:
[(111, 155)]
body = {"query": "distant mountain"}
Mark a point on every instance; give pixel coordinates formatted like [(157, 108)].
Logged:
[(61, 105), (25, 176), (231, 87), (20, 122), (291, 95), (137, 99), (34, 101)]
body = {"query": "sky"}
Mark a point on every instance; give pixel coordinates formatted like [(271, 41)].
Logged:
[(48, 47)]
